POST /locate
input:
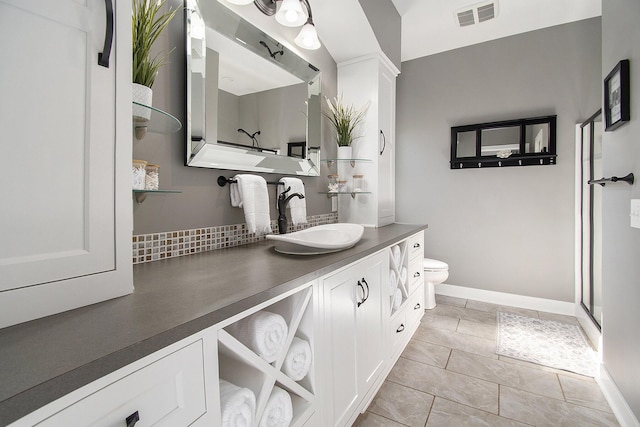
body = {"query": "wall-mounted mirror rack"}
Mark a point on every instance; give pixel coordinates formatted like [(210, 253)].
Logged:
[(522, 142)]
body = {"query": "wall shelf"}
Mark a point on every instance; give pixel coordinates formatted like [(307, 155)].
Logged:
[(159, 122), (353, 162), (141, 195), (336, 193)]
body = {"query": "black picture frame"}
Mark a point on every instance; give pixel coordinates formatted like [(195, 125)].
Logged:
[(617, 101)]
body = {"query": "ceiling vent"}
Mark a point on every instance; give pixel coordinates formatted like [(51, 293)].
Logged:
[(476, 13)]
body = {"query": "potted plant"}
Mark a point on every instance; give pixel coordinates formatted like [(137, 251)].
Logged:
[(147, 24), (345, 120)]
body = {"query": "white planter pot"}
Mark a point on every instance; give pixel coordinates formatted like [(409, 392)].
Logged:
[(344, 152), (141, 95)]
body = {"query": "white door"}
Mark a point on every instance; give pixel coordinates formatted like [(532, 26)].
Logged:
[(57, 131), (370, 351), (341, 298), (386, 160)]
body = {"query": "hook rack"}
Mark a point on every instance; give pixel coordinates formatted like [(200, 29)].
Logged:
[(629, 179)]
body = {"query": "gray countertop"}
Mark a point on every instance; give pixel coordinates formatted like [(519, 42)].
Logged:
[(47, 358)]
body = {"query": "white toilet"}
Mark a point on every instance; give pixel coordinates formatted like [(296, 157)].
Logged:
[(435, 272)]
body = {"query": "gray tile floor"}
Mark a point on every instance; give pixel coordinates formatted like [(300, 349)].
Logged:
[(450, 375)]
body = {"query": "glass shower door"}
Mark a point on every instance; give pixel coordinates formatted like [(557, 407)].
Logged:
[(591, 148)]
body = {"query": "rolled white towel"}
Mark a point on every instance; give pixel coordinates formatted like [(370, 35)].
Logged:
[(279, 409), (298, 360), (397, 299), (403, 275), (238, 405), (263, 332), (397, 255), (393, 282)]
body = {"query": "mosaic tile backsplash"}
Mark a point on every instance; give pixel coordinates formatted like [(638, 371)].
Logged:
[(170, 244)]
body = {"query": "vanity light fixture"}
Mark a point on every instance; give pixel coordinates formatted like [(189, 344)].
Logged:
[(290, 13)]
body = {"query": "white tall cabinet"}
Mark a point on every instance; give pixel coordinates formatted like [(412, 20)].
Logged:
[(65, 155), (371, 79)]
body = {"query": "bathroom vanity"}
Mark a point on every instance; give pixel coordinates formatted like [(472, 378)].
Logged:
[(160, 352)]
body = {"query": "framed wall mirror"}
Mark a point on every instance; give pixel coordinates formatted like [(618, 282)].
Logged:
[(522, 142), (248, 97)]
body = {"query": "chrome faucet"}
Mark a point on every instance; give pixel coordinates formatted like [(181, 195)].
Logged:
[(283, 199)]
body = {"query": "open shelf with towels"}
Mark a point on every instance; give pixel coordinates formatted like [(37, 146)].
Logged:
[(270, 352)]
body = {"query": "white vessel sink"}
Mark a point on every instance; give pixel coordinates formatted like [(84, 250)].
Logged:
[(321, 239)]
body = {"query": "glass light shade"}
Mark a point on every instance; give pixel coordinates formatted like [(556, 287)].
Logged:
[(308, 37), (291, 14), (240, 2)]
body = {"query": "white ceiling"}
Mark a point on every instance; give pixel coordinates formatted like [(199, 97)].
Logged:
[(429, 26)]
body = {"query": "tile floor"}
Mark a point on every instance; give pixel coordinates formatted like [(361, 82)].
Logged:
[(450, 375)]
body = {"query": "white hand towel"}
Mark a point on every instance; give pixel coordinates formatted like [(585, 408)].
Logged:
[(279, 409), (297, 207), (250, 193), (298, 360), (238, 405), (397, 255), (397, 299), (393, 282), (263, 332)]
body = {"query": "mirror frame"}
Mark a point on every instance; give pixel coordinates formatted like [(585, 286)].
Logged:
[(206, 154), (520, 159)]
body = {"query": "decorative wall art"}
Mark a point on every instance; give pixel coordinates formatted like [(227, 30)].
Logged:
[(616, 96)]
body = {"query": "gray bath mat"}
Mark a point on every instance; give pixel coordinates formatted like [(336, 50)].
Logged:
[(545, 342)]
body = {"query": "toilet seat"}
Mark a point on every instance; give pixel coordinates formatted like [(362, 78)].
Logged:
[(429, 264)]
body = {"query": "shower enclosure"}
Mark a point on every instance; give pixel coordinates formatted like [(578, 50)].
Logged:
[(591, 217)]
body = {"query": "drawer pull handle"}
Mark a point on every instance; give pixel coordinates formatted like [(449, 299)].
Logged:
[(400, 328), (416, 245), (364, 294), (416, 274), (133, 419), (417, 306)]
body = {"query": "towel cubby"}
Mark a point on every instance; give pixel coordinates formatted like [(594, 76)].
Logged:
[(243, 366), (398, 271)]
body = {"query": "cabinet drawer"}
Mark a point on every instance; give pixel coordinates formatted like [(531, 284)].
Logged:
[(415, 306), (415, 245), (416, 274), (168, 392), (398, 331)]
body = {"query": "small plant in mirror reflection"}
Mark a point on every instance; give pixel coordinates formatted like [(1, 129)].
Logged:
[(147, 24), (345, 119)]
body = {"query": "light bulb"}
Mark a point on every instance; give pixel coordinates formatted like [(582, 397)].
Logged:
[(290, 13), (308, 37)]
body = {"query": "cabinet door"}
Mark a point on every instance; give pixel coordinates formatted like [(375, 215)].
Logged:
[(386, 159), (341, 296), (58, 156), (370, 339), (355, 334)]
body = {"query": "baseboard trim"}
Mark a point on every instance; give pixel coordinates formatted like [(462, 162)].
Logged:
[(617, 402), (501, 298)]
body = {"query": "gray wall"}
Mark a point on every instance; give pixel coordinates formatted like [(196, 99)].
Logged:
[(500, 229), (621, 244), (202, 203), (385, 22)]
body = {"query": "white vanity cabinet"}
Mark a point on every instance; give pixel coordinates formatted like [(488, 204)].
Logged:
[(371, 79), (167, 388), (65, 155), (354, 333)]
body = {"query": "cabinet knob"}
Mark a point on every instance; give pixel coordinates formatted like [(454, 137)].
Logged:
[(416, 274), (133, 419), (400, 328), (417, 306), (416, 245)]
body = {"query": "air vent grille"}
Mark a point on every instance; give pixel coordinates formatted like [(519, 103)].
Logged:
[(476, 13), (466, 18), (486, 12)]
